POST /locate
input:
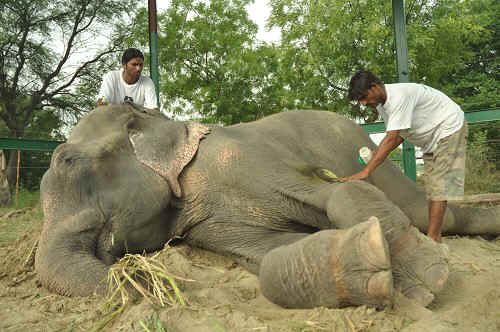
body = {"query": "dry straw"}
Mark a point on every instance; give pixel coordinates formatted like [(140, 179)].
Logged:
[(146, 275)]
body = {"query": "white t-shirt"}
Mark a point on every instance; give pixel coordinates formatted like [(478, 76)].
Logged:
[(114, 90), (422, 114)]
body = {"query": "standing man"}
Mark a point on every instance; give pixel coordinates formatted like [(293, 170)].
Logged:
[(427, 118), (127, 84)]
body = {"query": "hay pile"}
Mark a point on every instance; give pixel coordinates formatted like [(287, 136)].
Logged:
[(145, 275), (18, 258)]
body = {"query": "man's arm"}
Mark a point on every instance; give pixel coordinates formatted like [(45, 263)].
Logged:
[(150, 100), (106, 90), (389, 143)]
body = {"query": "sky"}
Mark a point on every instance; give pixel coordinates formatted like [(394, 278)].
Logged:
[(258, 12)]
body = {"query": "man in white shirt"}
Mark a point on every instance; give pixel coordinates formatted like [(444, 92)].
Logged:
[(427, 118), (127, 84)]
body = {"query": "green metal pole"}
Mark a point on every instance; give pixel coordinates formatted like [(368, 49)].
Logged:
[(398, 13), (153, 46)]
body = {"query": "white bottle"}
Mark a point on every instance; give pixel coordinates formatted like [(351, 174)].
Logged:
[(365, 154)]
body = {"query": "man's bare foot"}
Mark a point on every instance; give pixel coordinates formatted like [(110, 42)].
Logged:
[(435, 237)]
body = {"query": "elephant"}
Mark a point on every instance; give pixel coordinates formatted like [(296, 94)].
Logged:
[(265, 193)]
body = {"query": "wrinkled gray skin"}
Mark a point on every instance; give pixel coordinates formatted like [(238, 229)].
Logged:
[(129, 181)]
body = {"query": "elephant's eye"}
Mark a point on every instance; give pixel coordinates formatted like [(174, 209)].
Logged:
[(64, 158)]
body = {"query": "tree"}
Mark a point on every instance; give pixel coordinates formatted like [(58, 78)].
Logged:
[(455, 47), (475, 82), (211, 65), (326, 41), (46, 48)]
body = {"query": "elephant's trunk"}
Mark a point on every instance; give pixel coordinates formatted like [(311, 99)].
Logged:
[(65, 259)]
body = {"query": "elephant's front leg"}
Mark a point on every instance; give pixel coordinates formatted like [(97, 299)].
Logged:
[(420, 265), (331, 268)]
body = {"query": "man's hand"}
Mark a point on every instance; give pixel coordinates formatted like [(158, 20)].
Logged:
[(389, 143), (358, 176), (101, 102)]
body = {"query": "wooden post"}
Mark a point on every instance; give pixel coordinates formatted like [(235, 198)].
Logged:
[(18, 173), (153, 48)]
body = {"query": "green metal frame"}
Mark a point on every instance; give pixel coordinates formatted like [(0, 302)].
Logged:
[(409, 154), (471, 117), (371, 128), (28, 144), (400, 39)]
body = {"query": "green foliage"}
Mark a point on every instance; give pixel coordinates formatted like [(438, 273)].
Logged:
[(46, 47), (452, 46), (325, 42), (48, 50), (482, 175), (457, 52), (210, 64), (213, 68)]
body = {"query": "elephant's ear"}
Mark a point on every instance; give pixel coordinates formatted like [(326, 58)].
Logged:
[(166, 147)]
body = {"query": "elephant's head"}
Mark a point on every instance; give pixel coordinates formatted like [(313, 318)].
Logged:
[(108, 191)]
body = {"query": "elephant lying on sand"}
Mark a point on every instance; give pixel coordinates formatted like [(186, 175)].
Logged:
[(262, 193)]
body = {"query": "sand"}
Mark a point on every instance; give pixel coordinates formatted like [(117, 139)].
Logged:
[(222, 296)]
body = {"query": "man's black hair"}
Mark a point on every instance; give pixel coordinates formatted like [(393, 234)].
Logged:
[(360, 83), (131, 53)]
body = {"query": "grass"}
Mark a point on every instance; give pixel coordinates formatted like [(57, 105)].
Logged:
[(153, 324), (24, 200), (481, 173), (19, 216)]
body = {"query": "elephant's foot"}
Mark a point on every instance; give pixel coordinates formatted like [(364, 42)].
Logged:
[(417, 292), (420, 266), (331, 268)]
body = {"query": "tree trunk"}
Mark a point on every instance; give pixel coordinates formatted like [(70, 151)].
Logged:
[(12, 168), (5, 196)]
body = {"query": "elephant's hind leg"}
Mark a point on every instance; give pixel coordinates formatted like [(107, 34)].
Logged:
[(420, 265), (331, 268)]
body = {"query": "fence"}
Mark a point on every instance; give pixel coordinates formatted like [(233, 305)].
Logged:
[(409, 158), (39, 161)]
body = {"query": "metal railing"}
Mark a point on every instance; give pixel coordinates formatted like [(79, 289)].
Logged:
[(372, 128), (409, 154)]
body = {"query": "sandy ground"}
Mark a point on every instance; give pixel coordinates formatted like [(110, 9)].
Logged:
[(222, 296)]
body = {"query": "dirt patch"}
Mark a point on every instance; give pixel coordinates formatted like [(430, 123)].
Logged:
[(222, 296)]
